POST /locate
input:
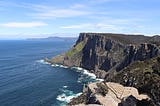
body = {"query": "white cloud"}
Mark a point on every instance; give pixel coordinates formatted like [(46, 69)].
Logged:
[(78, 26), (23, 24), (78, 6), (49, 12), (94, 26), (101, 1), (36, 7), (59, 13)]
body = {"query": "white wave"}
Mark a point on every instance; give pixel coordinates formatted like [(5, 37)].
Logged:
[(77, 68), (89, 74), (42, 61), (100, 80), (67, 96), (81, 70), (62, 66), (81, 79), (58, 65), (65, 86), (55, 65), (86, 72)]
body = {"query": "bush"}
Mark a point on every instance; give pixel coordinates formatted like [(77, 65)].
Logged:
[(102, 89)]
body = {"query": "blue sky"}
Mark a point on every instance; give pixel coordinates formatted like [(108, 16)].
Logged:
[(41, 18)]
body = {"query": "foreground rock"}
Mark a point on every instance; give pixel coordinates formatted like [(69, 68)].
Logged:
[(110, 94)]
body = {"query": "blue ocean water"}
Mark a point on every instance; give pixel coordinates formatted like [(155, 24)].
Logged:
[(25, 80)]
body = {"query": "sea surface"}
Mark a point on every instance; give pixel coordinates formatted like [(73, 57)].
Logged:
[(26, 80)]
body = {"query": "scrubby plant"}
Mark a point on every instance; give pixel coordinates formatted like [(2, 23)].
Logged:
[(102, 89)]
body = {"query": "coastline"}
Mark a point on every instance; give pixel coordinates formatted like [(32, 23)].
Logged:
[(83, 72), (79, 69)]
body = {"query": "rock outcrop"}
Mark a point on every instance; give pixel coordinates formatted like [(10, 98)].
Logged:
[(113, 95)]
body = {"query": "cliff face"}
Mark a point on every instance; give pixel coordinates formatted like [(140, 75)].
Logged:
[(131, 60), (101, 53)]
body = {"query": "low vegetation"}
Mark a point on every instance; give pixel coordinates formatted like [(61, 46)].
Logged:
[(80, 99), (102, 89), (75, 49), (144, 75)]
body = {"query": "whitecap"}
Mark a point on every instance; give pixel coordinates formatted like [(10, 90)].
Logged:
[(67, 95), (92, 75), (58, 65), (100, 80), (55, 65), (86, 76), (65, 86), (79, 68), (42, 61), (86, 72), (62, 66), (67, 99)]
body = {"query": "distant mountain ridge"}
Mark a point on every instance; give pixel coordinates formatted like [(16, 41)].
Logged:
[(54, 38)]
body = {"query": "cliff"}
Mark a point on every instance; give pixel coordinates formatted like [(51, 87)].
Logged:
[(103, 53), (131, 60)]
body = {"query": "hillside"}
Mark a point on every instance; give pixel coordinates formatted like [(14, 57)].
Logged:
[(144, 75)]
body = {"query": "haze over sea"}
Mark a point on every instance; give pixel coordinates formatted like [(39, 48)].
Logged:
[(25, 80)]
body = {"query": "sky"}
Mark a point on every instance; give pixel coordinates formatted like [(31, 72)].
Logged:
[(41, 18)]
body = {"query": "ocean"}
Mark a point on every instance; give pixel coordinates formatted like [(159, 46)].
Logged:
[(26, 80)]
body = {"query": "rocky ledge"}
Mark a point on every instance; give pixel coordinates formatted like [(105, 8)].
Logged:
[(110, 94)]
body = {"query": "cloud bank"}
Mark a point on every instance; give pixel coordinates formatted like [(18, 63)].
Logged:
[(23, 24)]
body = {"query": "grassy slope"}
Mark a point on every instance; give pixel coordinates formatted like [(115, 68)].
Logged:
[(75, 49)]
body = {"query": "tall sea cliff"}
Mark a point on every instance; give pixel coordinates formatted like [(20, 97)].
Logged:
[(119, 58)]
